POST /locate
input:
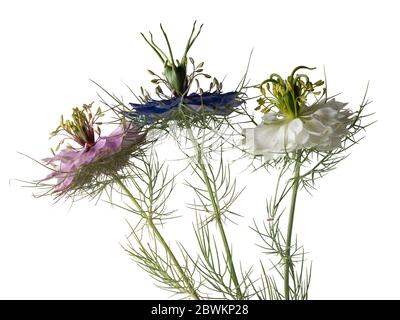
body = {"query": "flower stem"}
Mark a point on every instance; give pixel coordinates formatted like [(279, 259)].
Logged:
[(160, 238), (192, 291), (217, 213), (288, 263)]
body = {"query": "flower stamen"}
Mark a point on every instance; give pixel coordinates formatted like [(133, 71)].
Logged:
[(288, 96), (82, 128)]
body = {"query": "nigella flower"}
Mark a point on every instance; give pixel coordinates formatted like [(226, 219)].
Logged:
[(75, 168), (221, 104), (289, 124), (180, 104), (321, 126)]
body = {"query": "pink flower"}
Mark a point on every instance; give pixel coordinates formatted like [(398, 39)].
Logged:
[(74, 168)]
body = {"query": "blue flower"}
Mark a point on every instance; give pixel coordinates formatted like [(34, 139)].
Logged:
[(214, 103)]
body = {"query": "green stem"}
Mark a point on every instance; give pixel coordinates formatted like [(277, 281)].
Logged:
[(160, 238), (217, 213), (288, 260)]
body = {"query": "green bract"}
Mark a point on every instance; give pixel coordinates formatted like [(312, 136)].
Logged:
[(175, 71)]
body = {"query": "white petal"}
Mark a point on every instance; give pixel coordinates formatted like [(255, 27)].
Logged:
[(295, 126), (337, 105), (269, 137), (270, 117), (276, 118), (314, 126), (297, 135), (326, 115)]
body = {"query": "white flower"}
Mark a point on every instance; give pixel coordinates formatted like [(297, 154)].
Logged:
[(321, 126)]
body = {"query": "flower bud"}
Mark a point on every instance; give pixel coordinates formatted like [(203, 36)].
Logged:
[(176, 77)]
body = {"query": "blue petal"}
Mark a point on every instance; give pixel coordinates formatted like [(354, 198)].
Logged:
[(214, 100), (217, 103), (155, 106)]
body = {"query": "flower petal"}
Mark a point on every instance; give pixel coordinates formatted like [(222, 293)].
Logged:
[(216, 103)]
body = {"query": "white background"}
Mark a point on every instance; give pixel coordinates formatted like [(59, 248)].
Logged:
[(49, 50)]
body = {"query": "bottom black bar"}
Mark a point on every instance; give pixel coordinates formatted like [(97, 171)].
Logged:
[(183, 309)]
